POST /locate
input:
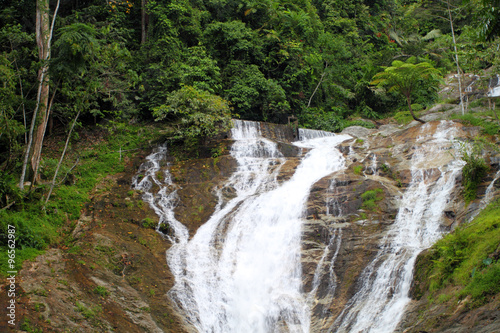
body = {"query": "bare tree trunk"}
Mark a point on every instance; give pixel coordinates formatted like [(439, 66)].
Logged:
[(317, 86), (37, 151), (61, 159), (144, 21), (44, 33), (456, 58)]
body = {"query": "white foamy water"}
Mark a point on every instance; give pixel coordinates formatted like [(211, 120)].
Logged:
[(379, 304), (241, 271)]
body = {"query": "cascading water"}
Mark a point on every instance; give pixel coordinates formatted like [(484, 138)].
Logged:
[(379, 303), (241, 271)]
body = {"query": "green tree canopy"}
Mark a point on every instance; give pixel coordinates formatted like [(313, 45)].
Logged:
[(403, 77), (195, 113)]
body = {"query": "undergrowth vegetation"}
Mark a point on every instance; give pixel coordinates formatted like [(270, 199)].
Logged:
[(371, 197), (477, 119), (468, 259), (36, 227), (475, 168)]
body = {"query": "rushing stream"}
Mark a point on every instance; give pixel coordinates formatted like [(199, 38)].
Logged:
[(241, 271)]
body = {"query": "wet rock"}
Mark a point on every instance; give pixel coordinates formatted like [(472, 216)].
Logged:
[(358, 131)]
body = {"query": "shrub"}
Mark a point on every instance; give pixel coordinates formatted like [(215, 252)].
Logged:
[(474, 170), (371, 197), (195, 113)]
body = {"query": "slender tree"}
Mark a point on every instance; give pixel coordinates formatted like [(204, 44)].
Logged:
[(44, 33), (403, 78)]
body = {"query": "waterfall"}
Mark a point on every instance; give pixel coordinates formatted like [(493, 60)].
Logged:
[(307, 134), (241, 271), (165, 200), (385, 282)]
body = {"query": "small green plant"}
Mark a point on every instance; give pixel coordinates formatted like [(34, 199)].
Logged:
[(130, 193), (148, 223), (403, 117), (371, 197), (135, 280), (26, 326), (64, 282), (358, 169), (217, 151), (75, 249), (88, 312), (474, 170), (385, 168), (41, 292), (152, 292), (101, 291)]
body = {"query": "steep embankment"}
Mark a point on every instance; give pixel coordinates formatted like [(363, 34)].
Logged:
[(113, 275)]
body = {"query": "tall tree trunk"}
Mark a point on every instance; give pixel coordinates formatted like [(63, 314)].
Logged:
[(37, 151), (144, 21), (44, 33), (319, 83), (456, 58), (60, 160), (42, 41)]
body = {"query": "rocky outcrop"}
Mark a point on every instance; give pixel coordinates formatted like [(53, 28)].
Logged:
[(342, 235), (114, 276)]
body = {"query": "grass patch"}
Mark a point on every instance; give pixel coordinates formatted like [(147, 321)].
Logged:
[(475, 119), (88, 312), (468, 258), (404, 117), (38, 229), (101, 291)]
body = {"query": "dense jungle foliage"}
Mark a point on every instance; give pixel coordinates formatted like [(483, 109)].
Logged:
[(194, 64)]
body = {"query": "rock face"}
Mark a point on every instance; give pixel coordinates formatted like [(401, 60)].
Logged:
[(343, 231)]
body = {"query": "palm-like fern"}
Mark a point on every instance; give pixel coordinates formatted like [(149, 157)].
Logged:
[(402, 77)]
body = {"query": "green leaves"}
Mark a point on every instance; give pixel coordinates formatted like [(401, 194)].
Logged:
[(195, 113), (404, 77), (475, 169)]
